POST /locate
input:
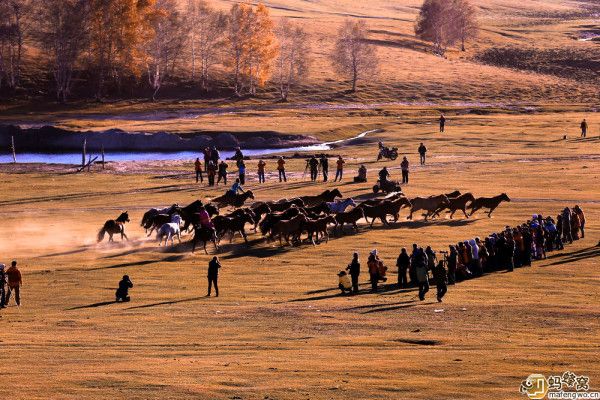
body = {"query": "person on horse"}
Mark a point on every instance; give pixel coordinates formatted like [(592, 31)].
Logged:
[(204, 217), (235, 188)]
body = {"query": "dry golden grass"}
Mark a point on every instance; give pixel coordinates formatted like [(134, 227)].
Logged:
[(279, 329)]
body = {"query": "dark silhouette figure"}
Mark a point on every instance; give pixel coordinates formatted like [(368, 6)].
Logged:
[(213, 275), (122, 293)]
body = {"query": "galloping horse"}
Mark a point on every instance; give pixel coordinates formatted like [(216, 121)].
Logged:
[(429, 204), (113, 226), (283, 204), (233, 224), (326, 196), (236, 200), (350, 217), (149, 215), (456, 203), (488, 202), (316, 226), (189, 213), (340, 206), (170, 230), (272, 218), (287, 228), (204, 235)]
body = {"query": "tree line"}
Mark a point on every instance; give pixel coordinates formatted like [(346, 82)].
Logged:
[(110, 46)]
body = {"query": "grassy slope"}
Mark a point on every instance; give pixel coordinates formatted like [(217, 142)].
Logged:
[(280, 330)]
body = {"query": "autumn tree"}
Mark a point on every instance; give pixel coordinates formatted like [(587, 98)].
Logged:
[(251, 46), (353, 56), (13, 14), (165, 42), (118, 28), (445, 22), (293, 56), (262, 49), (62, 36), (465, 21), (207, 37)]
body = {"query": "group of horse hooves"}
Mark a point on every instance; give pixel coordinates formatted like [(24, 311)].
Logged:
[(288, 219)]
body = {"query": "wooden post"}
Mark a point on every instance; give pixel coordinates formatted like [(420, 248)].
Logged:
[(102, 152), (83, 153), (12, 149)]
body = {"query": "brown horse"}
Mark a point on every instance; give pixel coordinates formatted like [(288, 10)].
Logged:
[(283, 204), (235, 200), (113, 226), (385, 208), (189, 213), (350, 217), (488, 202), (456, 203), (453, 195), (326, 196), (233, 224), (286, 228), (429, 204), (316, 226), (272, 218)]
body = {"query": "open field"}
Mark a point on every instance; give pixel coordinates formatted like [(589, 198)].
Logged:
[(280, 330)]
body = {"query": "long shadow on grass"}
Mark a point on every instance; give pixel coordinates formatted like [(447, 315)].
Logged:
[(94, 305), (140, 263), (382, 290), (580, 255), (162, 303)]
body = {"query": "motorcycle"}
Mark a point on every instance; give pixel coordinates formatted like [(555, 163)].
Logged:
[(388, 187), (386, 152)]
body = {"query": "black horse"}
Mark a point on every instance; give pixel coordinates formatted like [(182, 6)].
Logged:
[(113, 226), (204, 235), (188, 213)]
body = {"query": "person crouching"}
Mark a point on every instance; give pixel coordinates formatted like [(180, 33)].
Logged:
[(345, 284), (122, 293)]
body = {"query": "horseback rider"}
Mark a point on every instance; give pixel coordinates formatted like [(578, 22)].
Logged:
[(204, 217), (235, 188)]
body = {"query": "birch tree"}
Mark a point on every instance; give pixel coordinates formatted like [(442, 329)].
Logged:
[(353, 56), (293, 58)]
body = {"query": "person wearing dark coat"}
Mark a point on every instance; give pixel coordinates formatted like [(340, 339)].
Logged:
[(122, 293), (354, 270), (403, 263), (213, 275), (422, 153), (440, 275), (452, 262), (421, 269), (324, 162), (313, 164), (442, 122), (2, 286)]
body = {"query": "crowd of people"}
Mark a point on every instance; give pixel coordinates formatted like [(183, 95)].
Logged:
[(506, 250)]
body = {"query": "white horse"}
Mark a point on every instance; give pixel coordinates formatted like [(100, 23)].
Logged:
[(340, 206), (170, 230)]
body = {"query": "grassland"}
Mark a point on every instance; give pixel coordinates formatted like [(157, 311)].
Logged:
[(280, 330)]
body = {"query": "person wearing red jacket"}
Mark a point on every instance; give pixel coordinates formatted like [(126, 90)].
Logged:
[(14, 283)]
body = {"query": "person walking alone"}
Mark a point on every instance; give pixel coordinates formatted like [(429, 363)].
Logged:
[(584, 128), (442, 122), (354, 270), (404, 166), (422, 152), (403, 263), (14, 283), (441, 280), (198, 168), (261, 171), (281, 169), (213, 275), (340, 169)]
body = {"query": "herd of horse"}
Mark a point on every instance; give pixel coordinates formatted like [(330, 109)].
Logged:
[(287, 219)]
